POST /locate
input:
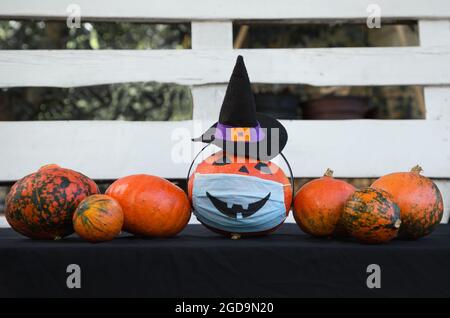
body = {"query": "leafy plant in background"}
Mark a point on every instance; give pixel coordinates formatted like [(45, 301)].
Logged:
[(128, 101)]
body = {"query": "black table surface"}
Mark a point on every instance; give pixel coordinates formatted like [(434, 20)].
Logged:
[(199, 263)]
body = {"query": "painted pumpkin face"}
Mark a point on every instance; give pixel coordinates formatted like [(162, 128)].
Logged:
[(239, 195)]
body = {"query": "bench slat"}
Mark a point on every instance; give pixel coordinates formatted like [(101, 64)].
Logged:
[(210, 35), (108, 149), (437, 99), (321, 67), (176, 10)]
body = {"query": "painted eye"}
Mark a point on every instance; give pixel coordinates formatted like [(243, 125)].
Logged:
[(222, 161), (244, 169), (263, 168)]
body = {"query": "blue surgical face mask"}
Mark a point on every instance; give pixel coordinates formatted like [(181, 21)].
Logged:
[(237, 203)]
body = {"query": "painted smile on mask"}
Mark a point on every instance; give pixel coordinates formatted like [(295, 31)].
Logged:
[(237, 209)]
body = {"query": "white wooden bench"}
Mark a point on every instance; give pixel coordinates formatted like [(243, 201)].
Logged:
[(108, 150)]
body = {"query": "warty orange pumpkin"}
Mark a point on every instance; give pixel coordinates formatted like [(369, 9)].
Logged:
[(419, 200), (371, 216), (41, 205)]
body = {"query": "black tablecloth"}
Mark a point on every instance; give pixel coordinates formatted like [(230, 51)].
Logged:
[(198, 263)]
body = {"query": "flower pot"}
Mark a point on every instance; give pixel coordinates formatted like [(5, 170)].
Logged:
[(338, 107)]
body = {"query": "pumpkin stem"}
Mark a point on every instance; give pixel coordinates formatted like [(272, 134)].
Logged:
[(49, 166), (418, 169), (328, 173), (235, 236)]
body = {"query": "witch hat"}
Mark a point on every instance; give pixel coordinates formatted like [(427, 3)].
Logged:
[(241, 130)]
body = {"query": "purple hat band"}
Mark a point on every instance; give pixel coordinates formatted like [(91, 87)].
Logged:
[(239, 134)]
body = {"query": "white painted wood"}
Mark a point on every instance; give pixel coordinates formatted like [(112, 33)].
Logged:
[(437, 103), (193, 220), (321, 67), (3, 222), (437, 99), (368, 148), (212, 35), (100, 149), (108, 150), (433, 33), (167, 10), (208, 98), (444, 187)]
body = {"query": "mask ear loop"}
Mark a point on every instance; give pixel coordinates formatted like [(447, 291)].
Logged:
[(291, 176), (192, 163)]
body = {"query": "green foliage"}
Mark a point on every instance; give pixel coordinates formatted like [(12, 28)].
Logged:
[(128, 101)]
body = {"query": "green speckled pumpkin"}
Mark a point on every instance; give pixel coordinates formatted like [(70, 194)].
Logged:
[(98, 218), (41, 205), (371, 216)]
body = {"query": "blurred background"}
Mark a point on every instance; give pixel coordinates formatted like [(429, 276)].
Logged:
[(153, 101)]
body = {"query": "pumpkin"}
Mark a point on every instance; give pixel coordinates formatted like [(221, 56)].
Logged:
[(98, 218), (419, 200), (227, 165), (41, 205), (152, 206), (371, 216), (319, 203)]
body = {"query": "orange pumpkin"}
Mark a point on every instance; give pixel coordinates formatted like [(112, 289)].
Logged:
[(371, 216), (152, 206), (98, 218), (245, 167), (222, 163), (419, 199), (319, 203)]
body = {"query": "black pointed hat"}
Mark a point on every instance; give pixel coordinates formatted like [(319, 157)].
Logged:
[(240, 129)]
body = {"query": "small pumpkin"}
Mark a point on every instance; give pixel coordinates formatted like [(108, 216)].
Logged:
[(41, 205), (319, 203), (419, 200), (98, 218), (152, 206), (371, 216)]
